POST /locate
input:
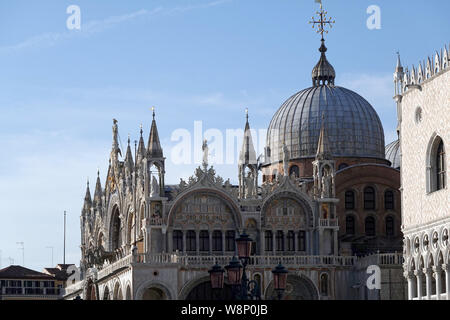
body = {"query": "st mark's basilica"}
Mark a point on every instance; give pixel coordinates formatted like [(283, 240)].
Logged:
[(323, 201)]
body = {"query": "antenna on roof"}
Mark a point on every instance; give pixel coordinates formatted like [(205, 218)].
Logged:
[(64, 252), (23, 252)]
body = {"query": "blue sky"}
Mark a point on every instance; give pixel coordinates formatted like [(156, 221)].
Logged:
[(194, 60)]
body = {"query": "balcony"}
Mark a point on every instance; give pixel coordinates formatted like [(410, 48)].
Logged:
[(209, 260), (328, 223)]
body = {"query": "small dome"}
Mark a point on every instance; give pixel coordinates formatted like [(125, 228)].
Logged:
[(323, 72), (352, 124), (393, 153)]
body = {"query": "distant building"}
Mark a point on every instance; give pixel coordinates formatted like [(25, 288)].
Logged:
[(423, 106), (19, 283)]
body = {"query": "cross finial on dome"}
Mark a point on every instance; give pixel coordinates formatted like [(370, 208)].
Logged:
[(322, 22), (323, 73)]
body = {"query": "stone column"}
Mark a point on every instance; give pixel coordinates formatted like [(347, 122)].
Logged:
[(262, 242), (411, 284), (210, 233), (437, 272), (321, 242), (445, 267), (223, 241), (274, 242), (296, 239), (197, 241), (335, 240), (419, 276), (427, 272), (170, 241)]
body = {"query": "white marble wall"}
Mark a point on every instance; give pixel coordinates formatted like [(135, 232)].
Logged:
[(420, 207)]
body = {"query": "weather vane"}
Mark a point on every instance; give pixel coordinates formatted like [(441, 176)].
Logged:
[(322, 22)]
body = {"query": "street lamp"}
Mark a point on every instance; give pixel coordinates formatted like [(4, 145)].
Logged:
[(216, 275), (243, 288), (279, 279), (244, 246)]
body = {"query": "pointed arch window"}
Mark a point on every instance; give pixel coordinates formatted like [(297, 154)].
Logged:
[(369, 198), (440, 167), (436, 166)]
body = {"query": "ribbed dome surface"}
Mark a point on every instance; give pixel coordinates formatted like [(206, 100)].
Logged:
[(353, 126), (393, 154)]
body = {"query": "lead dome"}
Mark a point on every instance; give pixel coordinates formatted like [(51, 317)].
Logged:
[(352, 124)]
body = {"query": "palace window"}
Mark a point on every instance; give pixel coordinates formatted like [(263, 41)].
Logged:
[(436, 166), (349, 200), (269, 241), (389, 200), (291, 241), (230, 240), (440, 167), (350, 225), (301, 241), (191, 241), (217, 240), (204, 240), (369, 198), (178, 240), (390, 226), (280, 240), (370, 226)]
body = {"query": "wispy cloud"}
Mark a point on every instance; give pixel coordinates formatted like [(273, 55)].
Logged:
[(89, 28)]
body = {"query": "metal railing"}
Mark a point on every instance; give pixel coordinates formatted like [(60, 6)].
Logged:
[(328, 222)]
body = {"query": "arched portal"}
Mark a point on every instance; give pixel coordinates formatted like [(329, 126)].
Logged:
[(117, 292), (297, 288), (106, 294), (203, 291), (154, 294), (91, 291), (116, 240)]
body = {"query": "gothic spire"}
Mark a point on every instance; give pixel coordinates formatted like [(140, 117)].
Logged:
[(154, 146), (129, 156), (248, 154), (87, 199), (98, 191), (141, 148), (323, 145)]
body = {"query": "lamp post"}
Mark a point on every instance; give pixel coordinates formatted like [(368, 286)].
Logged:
[(242, 287), (279, 280)]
